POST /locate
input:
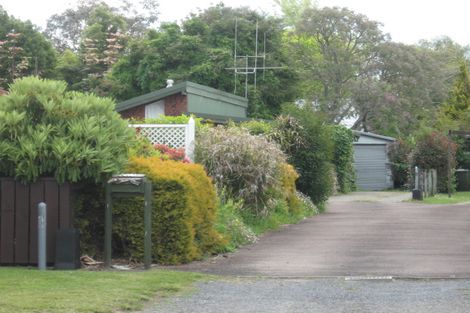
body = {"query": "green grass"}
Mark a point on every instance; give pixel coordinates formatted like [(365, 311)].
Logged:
[(458, 197), (29, 290)]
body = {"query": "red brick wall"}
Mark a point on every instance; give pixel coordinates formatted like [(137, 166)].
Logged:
[(136, 112), (176, 105)]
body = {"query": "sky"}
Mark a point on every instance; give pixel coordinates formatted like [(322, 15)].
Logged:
[(407, 21)]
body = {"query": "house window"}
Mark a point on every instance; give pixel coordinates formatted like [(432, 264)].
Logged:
[(153, 110)]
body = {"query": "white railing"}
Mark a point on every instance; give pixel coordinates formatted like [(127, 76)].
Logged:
[(172, 135)]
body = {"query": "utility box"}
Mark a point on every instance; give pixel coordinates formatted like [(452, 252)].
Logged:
[(67, 255)]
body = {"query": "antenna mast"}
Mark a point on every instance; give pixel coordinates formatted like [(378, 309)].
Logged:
[(248, 64)]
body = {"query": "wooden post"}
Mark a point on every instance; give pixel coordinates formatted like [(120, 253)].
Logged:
[(108, 224), (148, 224)]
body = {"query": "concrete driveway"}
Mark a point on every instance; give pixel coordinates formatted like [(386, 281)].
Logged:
[(362, 234)]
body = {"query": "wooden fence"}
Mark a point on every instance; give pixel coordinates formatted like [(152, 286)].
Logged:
[(19, 222)]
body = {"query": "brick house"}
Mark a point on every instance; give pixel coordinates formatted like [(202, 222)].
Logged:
[(186, 98)]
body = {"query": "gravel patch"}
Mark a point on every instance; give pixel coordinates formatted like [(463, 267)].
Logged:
[(333, 295)]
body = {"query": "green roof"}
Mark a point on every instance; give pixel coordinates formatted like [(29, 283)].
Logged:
[(188, 88)]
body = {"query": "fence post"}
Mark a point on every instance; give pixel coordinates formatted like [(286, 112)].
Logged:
[(42, 226), (190, 138)]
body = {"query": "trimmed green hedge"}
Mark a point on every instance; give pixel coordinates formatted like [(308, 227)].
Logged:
[(184, 212)]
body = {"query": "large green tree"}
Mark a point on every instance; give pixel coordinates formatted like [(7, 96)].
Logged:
[(66, 29), (332, 48), (23, 50), (404, 89), (202, 49)]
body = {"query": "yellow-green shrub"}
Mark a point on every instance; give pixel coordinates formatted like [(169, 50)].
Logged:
[(184, 209), (288, 177)]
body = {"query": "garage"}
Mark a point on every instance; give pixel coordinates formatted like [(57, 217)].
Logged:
[(371, 161)]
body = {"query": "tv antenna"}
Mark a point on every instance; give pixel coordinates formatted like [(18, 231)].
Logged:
[(246, 65)]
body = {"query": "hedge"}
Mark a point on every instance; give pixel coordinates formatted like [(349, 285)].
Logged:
[(184, 212)]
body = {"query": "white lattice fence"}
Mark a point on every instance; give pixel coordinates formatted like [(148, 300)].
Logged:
[(172, 135)]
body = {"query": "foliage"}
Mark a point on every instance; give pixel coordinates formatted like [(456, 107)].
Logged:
[(66, 29), (312, 158), (247, 167), (398, 96), (332, 47), (142, 147), (288, 189), (167, 119), (106, 291), (23, 50), (399, 153), (69, 68), (184, 211), (436, 151), (175, 154), (459, 96), (344, 158), (257, 127), (230, 223), (288, 133), (200, 50), (462, 155), (45, 130)]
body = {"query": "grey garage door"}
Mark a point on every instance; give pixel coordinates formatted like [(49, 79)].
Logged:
[(370, 162)]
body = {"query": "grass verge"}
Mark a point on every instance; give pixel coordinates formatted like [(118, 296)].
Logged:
[(29, 290), (458, 197)]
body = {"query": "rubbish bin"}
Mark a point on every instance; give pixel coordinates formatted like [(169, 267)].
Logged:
[(67, 252), (463, 179)]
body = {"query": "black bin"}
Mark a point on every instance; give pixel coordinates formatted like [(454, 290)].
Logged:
[(463, 179), (67, 252)]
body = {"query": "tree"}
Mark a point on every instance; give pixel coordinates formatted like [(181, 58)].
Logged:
[(201, 50), (23, 50), (404, 89), (65, 30), (293, 9), (335, 47)]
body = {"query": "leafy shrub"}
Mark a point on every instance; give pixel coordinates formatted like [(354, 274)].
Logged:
[(183, 215), (311, 153), (231, 224), (287, 132), (436, 151), (308, 207), (176, 154), (288, 178), (246, 166), (256, 127), (344, 158), (399, 153), (142, 147), (47, 131), (166, 119)]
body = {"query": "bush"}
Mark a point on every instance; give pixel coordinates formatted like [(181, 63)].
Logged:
[(288, 179), (399, 154), (256, 127), (247, 167), (184, 212), (46, 131), (231, 224), (344, 158), (433, 151), (167, 119), (310, 151)]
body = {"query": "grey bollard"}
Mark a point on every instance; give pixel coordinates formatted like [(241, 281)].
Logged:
[(42, 224)]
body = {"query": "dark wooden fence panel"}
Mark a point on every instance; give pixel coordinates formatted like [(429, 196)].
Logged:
[(21, 223), (7, 212), (18, 218)]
